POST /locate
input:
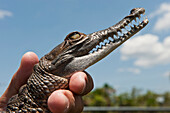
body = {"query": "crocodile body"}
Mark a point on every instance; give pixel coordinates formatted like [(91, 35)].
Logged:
[(76, 53)]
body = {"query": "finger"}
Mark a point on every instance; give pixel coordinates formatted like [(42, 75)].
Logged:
[(27, 63), (20, 77), (63, 101), (81, 83)]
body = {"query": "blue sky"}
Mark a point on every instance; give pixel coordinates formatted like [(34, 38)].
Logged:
[(39, 25)]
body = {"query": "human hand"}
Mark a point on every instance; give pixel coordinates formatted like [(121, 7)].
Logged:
[(60, 101)]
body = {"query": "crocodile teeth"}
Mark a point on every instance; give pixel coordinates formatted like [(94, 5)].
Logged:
[(135, 20), (116, 34), (139, 17), (122, 33)]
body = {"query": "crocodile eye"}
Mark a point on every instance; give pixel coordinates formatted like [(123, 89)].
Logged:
[(75, 35)]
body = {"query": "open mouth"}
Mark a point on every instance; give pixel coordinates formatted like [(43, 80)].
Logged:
[(122, 31), (99, 44)]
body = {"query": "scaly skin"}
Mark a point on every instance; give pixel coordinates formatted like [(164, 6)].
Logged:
[(76, 53)]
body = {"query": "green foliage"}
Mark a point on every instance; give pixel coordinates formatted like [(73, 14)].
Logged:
[(99, 97), (106, 96), (166, 98)]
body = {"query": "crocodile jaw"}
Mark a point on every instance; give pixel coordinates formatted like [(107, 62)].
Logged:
[(80, 63)]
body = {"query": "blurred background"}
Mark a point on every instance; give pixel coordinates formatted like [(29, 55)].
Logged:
[(135, 74)]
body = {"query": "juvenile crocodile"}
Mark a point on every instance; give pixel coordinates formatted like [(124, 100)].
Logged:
[(76, 53)]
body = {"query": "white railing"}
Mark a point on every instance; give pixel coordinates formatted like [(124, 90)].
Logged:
[(128, 109)]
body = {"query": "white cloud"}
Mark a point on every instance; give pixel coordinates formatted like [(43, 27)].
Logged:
[(4, 13), (164, 8), (163, 22), (131, 70), (163, 14), (147, 50)]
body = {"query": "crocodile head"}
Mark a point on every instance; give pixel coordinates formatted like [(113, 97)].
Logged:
[(79, 51)]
